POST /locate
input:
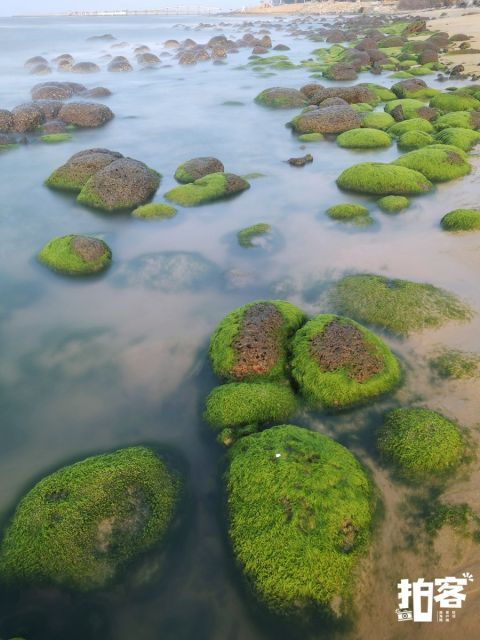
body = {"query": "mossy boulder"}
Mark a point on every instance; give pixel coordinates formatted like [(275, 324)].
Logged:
[(249, 403), (462, 119), (251, 342), (314, 496), (413, 88), (393, 204), (247, 235), (334, 119), (464, 139), (349, 212), (196, 168), (408, 106), (414, 140), (75, 173), (377, 120), (382, 93), (364, 138), (81, 525), (355, 94), (420, 443), (337, 363), (461, 220), (214, 186), (281, 98), (122, 184), (436, 164), (401, 306), (76, 255), (154, 211), (455, 102), (383, 179), (415, 124)]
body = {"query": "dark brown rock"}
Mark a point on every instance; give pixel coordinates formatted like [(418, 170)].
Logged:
[(300, 162), (86, 248), (198, 167), (352, 95), (6, 121), (85, 67), (85, 114), (27, 117), (119, 64), (51, 92), (328, 120)]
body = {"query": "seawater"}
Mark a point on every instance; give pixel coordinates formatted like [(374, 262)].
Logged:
[(89, 366)]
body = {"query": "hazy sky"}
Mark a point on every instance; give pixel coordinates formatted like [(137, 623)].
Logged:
[(11, 7)]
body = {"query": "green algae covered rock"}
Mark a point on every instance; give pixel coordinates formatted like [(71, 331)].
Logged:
[(251, 342), (378, 120), (364, 138), (79, 526), (247, 235), (349, 212), (196, 168), (311, 137), (461, 119), (300, 517), (409, 106), (456, 365), (454, 102), (337, 363), (244, 403), (401, 306), (381, 92), (465, 139), (420, 442), (75, 255), (214, 186), (154, 210), (281, 98), (461, 220), (414, 140), (53, 138), (77, 171), (436, 164), (415, 124), (383, 179), (393, 204)]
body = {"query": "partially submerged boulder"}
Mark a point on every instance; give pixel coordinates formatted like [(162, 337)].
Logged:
[(75, 173), (211, 187), (85, 114), (383, 179), (75, 255), (335, 119), (337, 363), (435, 163), (281, 98), (81, 525), (196, 168), (27, 117)]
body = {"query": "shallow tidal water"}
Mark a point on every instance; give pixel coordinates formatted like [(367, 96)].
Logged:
[(93, 365)]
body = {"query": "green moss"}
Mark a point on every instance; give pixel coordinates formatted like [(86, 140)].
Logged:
[(347, 212), (454, 102), (400, 306), (383, 179), (183, 176), (401, 75), (154, 210), (393, 204), (246, 403), (424, 93), (461, 119), (80, 525), (228, 362), (245, 236), (364, 139), (353, 364), (450, 363), (456, 516), (300, 517), (56, 137), (437, 165), (362, 107), (423, 70), (421, 443), (461, 220), (59, 256), (465, 139), (311, 137), (414, 140), (409, 106), (214, 186), (378, 120), (279, 98), (414, 124)]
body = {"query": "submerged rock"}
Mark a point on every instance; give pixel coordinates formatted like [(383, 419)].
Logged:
[(85, 67), (81, 525), (281, 98), (335, 119)]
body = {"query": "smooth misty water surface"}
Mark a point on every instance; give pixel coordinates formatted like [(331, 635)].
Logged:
[(120, 359)]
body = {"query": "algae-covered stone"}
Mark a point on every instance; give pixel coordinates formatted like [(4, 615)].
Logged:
[(455, 364), (79, 526), (383, 179), (196, 168), (76, 255), (75, 173), (436, 164), (252, 341), (462, 119), (400, 306), (377, 120), (414, 124), (122, 184), (214, 186), (247, 235), (310, 137), (153, 211), (455, 102), (298, 539), (461, 220), (393, 204), (281, 98), (55, 138), (249, 403), (421, 443), (414, 140), (364, 138), (464, 139), (382, 93), (349, 212), (337, 363), (409, 107)]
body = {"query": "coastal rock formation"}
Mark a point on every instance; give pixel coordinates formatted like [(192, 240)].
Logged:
[(85, 114), (75, 255), (196, 168)]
